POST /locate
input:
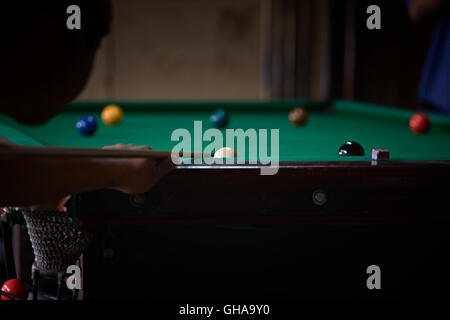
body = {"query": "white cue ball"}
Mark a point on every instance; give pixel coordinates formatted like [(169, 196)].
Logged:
[(225, 153)]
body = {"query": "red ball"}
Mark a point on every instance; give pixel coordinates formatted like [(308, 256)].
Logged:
[(298, 116), (419, 123), (16, 287)]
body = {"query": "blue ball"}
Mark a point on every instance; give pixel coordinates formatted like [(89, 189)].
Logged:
[(219, 118), (87, 125)]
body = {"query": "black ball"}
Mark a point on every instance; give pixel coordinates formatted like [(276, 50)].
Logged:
[(351, 148)]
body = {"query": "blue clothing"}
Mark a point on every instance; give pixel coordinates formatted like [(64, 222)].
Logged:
[(435, 83)]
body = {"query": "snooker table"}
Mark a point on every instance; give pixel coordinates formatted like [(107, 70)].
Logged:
[(225, 231)]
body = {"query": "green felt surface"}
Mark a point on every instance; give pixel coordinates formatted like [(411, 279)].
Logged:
[(152, 123)]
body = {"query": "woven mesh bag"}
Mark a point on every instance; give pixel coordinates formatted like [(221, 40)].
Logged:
[(56, 243)]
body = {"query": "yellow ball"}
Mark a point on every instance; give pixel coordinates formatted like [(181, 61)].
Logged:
[(112, 114)]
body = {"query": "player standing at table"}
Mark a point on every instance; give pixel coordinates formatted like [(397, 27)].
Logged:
[(435, 83), (45, 66)]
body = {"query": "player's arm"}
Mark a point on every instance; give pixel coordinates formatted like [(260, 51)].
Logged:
[(422, 8), (34, 180)]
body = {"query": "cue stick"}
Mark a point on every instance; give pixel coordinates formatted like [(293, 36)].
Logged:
[(9, 295), (96, 153)]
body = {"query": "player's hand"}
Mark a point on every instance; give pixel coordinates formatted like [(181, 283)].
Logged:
[(5, 143), (57, 205), (138, 175)]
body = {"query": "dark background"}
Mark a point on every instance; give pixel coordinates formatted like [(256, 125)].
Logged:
[(260, 49)]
